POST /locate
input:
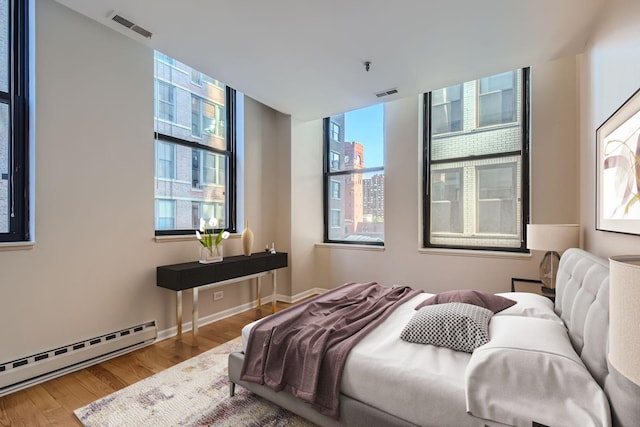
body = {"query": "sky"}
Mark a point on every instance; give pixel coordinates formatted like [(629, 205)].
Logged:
[(366, 125)]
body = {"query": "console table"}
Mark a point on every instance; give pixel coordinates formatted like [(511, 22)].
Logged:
[(196, 276)]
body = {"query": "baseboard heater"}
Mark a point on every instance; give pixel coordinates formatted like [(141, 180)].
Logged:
[(27, 371)]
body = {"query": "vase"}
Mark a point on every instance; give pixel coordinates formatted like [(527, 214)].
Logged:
[(247, 240), (209, 255)]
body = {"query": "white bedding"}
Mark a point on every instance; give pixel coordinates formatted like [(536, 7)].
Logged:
[(420, 383)]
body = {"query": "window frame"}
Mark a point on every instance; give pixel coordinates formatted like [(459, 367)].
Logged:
[(229, 152), (524, 154), (16, 98), (328, 129)]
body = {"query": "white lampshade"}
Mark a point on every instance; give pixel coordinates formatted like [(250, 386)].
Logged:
[(553, 237), (624, 315)]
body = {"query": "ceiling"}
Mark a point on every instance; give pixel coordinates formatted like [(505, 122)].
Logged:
[(306, 58)]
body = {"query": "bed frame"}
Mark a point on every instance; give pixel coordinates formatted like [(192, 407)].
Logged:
[(582, 302)]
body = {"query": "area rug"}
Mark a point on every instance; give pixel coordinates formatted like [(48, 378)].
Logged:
[(192, 393)]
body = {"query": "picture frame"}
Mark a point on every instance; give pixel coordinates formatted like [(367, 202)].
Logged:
[(618, 170)]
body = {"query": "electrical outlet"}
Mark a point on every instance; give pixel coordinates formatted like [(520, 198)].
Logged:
[(218, 295)]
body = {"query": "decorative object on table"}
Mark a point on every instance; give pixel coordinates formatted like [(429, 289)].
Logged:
[(211, 249), (554, 239), (272, 251), (247, 240), (624, 315), (618, 169)]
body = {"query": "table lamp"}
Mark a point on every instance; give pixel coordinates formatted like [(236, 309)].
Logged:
[(555, 239)]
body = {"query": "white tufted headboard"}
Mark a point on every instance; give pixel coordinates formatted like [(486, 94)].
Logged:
[(582, 302)]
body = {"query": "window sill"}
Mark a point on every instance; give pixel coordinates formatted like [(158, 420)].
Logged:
[(16, 246), (474, 253), (348, 246), (185, 238)]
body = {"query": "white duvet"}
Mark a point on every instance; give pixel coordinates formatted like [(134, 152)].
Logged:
[(426, 385)]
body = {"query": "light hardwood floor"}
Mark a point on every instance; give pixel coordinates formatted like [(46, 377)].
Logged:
[(52, 403)]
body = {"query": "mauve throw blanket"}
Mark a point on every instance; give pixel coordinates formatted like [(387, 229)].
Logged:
[(303, 349)]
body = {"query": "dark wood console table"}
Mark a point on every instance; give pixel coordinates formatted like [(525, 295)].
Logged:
[(195, 276)]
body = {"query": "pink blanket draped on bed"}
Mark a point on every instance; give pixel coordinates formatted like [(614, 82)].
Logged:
[(303, 349)]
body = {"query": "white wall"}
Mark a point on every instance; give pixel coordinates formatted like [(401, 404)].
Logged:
[(92, 269), (609, 75), (554, 190)]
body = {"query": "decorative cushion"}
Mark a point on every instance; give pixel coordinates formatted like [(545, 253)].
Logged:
[(455, 325), (495, 303)]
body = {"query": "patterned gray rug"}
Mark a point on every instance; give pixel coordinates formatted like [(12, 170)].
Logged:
[(192, 393)]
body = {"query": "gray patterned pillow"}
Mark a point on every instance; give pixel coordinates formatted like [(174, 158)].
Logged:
[(455, 325)]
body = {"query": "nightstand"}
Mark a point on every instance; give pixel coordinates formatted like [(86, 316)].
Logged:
[(531, 285)]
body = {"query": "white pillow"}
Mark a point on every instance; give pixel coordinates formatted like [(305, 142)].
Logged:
[(529, 305), (529, 372)]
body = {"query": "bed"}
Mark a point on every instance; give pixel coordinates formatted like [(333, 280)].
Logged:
[(521, 376)]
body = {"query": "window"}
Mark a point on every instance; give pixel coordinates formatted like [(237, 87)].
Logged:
[(354, 187), (206, 117), (497, 99), (196, 79), (165, 214), (446, 110), (165, 101), (214, 168), (195, 153), (335, 218), (166, 163), (476, 192), (335, 160), (335, 189), (14, 163), (335, 131)]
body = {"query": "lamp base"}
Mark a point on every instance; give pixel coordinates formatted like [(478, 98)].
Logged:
[(549, 269)]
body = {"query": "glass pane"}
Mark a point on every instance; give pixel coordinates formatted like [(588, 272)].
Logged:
[(356, 207), (358, 137), (496, 100), (196, 112), (190, 177), (497, 199), (446, 201), (4, 45), (497, 82), (4, 168)]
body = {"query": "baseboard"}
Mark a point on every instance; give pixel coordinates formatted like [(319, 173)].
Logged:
[(187, 326), (302, 295)]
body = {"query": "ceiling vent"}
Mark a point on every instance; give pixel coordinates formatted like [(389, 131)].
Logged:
[(130, 25), (387, 92)]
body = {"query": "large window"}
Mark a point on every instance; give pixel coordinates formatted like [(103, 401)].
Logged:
[(354, 177), (14, 199), (476, 192), (194, 148)]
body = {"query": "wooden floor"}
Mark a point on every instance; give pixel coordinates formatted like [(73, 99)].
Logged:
[(52, 403)]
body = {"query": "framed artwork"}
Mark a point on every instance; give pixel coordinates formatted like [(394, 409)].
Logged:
[(618, 170)]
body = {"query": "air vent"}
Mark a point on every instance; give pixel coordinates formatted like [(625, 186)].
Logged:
[(130, 25), (387, 92)]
